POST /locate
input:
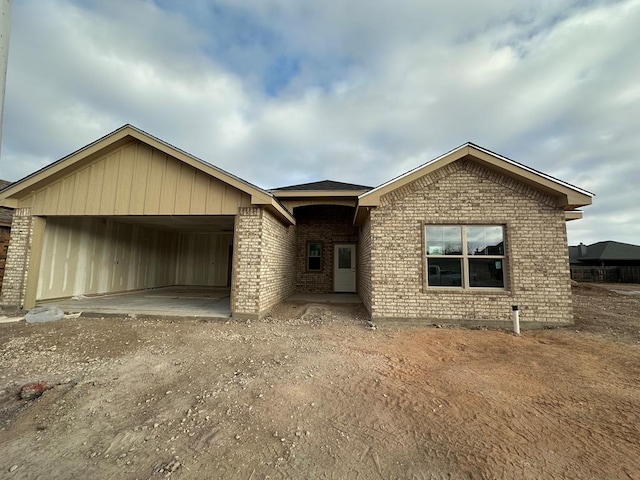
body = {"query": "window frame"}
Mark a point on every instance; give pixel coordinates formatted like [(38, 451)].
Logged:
[(465, 257), (308, 256)]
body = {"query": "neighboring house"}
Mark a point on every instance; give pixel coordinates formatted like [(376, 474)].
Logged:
[(463, 237), (605, 254), (5, 231), (605, 262)]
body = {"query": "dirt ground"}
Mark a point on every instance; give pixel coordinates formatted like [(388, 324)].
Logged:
[(310, 392)]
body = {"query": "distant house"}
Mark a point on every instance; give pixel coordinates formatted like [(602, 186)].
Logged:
[(461, 238), (5, 232), (605, 262), (605, 254)]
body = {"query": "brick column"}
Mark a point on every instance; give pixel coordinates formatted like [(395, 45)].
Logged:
[(15, 273), (247, 254)]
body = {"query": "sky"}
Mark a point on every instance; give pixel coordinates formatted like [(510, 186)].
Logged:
[(280, 92)]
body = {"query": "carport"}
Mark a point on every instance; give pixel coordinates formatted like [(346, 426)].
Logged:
[(128, 214)]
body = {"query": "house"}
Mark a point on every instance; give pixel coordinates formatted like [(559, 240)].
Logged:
[(605, 262), (463, 237), (5, 231), (605, 254)]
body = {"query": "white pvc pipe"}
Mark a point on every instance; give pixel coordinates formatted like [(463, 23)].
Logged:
[(516, 319)]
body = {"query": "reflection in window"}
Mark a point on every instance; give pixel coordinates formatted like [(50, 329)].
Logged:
[(445, 272), (486, 272), (444, 240), (479, 265), (485, 240)]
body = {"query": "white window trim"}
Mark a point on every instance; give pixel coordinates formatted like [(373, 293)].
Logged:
[(465, 258)]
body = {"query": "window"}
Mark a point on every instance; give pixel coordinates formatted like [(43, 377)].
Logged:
[(465, 256), (314, 256)]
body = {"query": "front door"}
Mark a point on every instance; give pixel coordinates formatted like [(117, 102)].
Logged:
[(344, 268)]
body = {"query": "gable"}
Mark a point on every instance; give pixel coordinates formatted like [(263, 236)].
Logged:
[(136, 179), (466, 188), (566, 196), (130, 172)]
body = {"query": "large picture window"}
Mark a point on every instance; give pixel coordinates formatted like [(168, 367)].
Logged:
[(465, 256)]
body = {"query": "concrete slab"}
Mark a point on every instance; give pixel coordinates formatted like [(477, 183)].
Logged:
[(5, 319), (345, 298), (180, 301)]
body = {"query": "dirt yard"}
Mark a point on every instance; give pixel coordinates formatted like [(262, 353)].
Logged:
[(312, 393)]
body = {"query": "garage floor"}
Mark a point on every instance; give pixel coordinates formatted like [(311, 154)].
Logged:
[(181, 301)]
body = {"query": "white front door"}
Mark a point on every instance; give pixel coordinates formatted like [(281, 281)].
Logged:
[(344, 268)]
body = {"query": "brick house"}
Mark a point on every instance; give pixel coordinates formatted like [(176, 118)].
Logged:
[(460, 238)]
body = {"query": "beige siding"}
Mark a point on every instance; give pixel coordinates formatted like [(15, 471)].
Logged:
[(136, 180), (92, 255), (204, 259)]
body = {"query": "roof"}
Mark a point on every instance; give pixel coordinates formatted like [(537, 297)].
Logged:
[(10, 195), (569, 196), (607, 250), (323, 188), (325, 185)]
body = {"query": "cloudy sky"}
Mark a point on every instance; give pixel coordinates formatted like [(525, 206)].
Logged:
[(288, 91)]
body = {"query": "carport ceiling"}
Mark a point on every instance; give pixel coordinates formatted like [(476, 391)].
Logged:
[(182, 223)]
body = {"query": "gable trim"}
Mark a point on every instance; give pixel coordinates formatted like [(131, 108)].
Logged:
[(10, 196)]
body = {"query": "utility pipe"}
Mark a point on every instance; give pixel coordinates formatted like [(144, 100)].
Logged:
[(516, 319)]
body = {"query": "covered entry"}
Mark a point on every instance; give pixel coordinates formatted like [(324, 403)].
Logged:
[(326, 237)]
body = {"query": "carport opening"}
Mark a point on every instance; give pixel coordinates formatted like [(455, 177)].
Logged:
[(137, 263)]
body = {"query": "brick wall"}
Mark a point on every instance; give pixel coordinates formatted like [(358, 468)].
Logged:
[(15, 273), (5, 233), (328, 224), (461, 193), (263, 262), (277, 276), (364, 263)]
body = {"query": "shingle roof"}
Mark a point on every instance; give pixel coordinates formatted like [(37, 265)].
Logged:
[(608, 250), (324, 185)]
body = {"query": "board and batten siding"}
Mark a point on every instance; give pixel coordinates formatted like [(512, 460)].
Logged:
[(136, 179)]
